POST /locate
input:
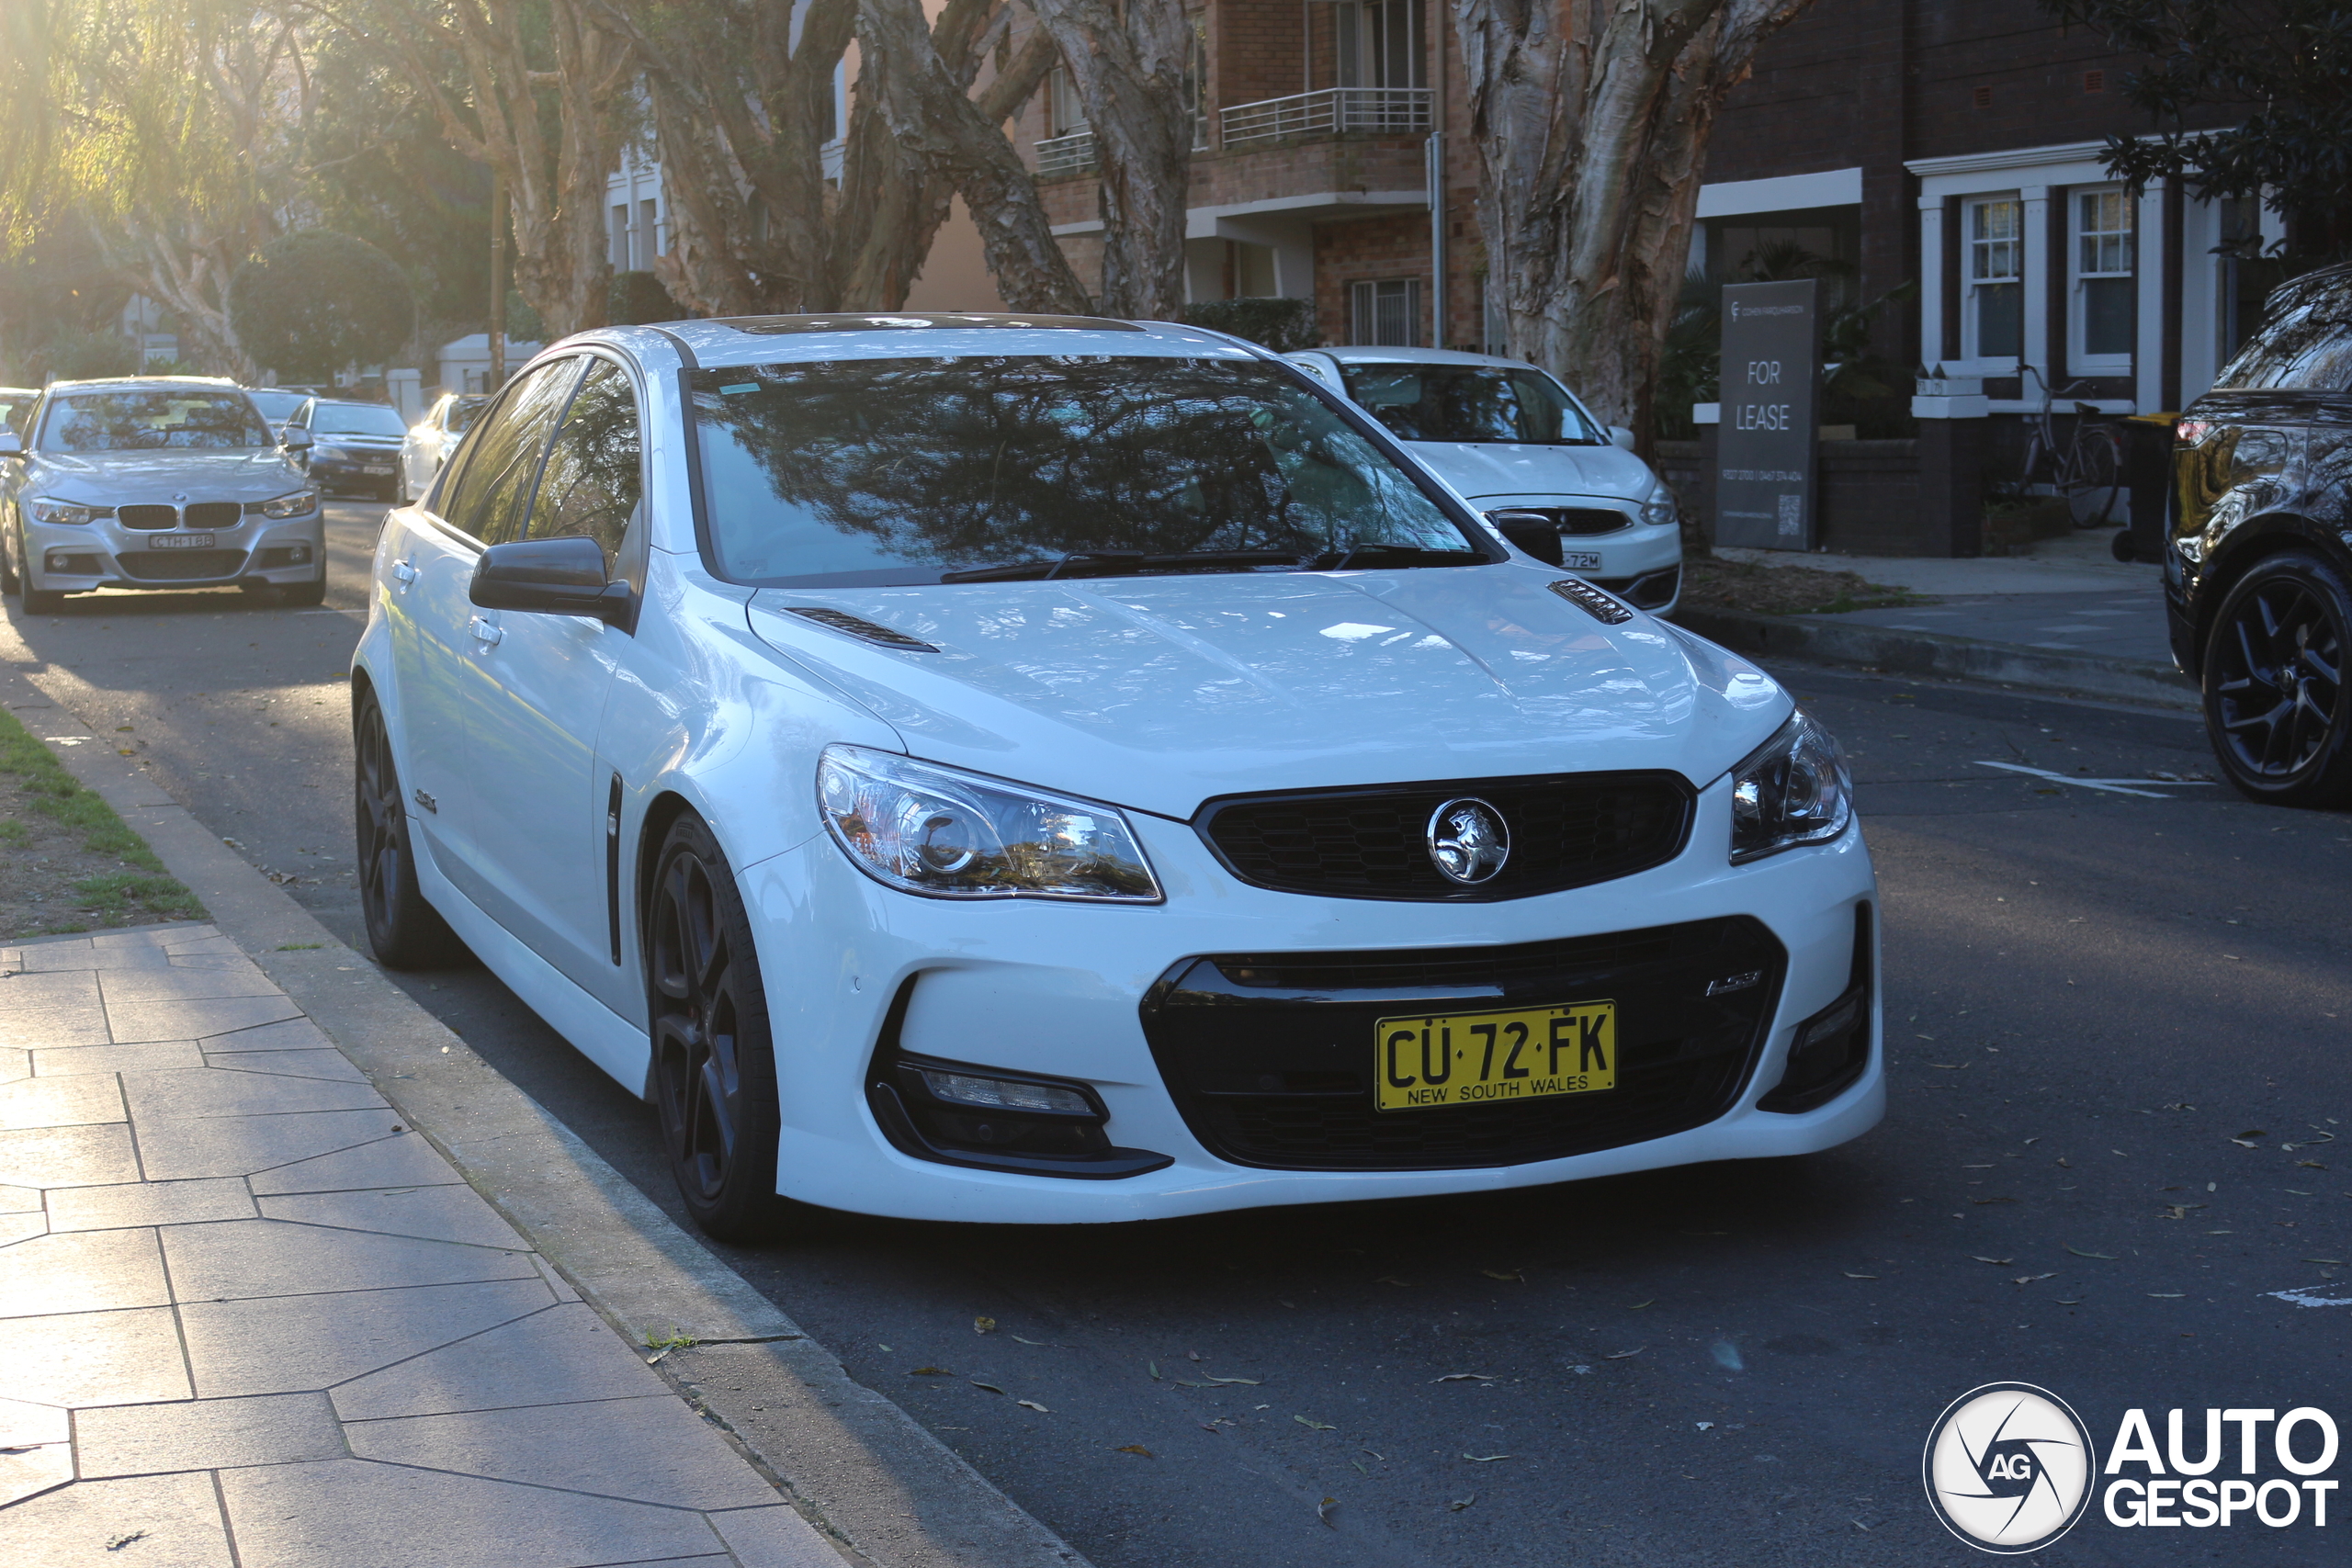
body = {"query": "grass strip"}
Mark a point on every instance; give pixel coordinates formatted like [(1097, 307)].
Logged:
[(143, 888)]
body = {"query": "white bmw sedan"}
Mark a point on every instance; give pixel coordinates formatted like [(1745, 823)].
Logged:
[(1044, 769)]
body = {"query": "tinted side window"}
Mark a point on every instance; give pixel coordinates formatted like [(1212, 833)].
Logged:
[(2307, 349), (592, 483), (503, 456)]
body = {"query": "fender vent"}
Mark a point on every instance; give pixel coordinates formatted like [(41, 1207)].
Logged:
[(864, 630), (1593, 602)]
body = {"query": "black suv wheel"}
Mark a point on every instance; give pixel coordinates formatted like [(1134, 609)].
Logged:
[(2277, 705)]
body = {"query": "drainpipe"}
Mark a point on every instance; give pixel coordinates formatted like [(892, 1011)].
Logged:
[(1434, 154)]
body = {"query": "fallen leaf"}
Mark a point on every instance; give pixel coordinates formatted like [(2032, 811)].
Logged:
[(2254, 1132), (1153, 1368), (2031, 1278), (1461, 1503), (1028, 1341), (1135, 1449), (1181, 1383), (2166, 1295), (1950, 1066), (1622, 1354), (1997, 1262), (1033, 1405), (2103, 1257), (931, 1372), (2076, 1302), (1639, 1306), (2309, 1165), (1382, 1458), (1195, 1356), (1323, 1510), (1984, 1201), (2338, 1262), (1705, 1426), (2066, 1165), (1861, 1276), (1484, 1459), (1309, 1422), (1465, 1377), (1504, 1274), (984, 1325), (985, 1387), (1247, 1382), (1360, 1469), (1392, 1279)]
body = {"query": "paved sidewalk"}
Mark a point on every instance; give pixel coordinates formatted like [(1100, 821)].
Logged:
[(2068, 617), (254, 1320)]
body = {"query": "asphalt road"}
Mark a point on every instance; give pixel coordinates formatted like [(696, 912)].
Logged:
[(2090, 995)]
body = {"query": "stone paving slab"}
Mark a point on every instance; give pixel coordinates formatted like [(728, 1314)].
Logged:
[(254, 1320)]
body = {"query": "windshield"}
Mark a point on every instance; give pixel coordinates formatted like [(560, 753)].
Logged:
[(357, 419), (276, 406), (459, 416), (883, 471), (1469, 402), (159, 419)]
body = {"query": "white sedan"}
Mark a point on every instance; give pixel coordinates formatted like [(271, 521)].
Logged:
[(431, 440), (1527, 452), (1048, 770)]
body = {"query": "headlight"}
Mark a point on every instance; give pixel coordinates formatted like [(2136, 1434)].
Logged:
[(1659, 508), (293, 504), (1792, 789), (47, 511), (924, 829)]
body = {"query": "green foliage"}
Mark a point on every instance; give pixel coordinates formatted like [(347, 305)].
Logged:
[(2282, 68), (45, 786), (74, 355), (522, 323), (316, 301), (128, 892), (634, 298), (1283, 325), (1861, 386)]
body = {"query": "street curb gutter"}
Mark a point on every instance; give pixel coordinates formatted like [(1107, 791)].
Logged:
[(862, 1469), (1930, 653)]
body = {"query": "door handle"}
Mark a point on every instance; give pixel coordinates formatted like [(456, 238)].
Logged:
[(484, 632), (404, 574)]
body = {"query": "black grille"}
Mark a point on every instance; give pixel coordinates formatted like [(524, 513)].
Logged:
[(1270, 1057), (1566, 831), (179, 566), (148, 516), (214, 515), (1580, 519)]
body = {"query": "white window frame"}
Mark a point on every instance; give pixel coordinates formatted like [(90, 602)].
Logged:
[(2082, 268), (1971, 252)]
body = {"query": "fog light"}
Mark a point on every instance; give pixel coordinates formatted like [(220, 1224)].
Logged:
[(1833, 1046), (1004, 1094), (957, 1114)]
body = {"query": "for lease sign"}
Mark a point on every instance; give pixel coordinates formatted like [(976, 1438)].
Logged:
[(1764, 450)]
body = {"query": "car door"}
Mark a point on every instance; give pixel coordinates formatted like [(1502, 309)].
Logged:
[(541, 797), (436, 632)]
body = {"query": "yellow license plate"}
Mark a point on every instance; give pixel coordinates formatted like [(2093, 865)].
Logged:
[(1485, 1058)]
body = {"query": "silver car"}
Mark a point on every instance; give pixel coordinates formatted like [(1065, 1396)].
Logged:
[(155, 483)]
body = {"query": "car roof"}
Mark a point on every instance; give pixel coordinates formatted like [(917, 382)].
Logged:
[(721, 341), (1378, 354), (19, 391), (146, 383)]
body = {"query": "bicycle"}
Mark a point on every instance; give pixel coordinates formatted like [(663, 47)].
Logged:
[(2086, 469)]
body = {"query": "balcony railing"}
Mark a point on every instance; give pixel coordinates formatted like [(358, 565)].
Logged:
[(1331, 110), (1071, 154)]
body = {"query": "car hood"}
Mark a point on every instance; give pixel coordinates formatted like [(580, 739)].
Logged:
[(115, 478), (366, 439), (1493, 468), (1158, 693)]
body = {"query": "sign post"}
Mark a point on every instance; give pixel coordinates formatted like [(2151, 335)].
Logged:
[(1766, 443)]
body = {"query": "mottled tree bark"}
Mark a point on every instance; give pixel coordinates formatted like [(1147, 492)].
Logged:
[(1126, 58), (1590, 118)]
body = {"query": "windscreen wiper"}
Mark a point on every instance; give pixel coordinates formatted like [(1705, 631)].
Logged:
[(1119, 563), (1388, 554)]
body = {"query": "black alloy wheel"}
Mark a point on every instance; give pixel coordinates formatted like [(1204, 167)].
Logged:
[(404, 931), (2277, 706), (714, 1059)]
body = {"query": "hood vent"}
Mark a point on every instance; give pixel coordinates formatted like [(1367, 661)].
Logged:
[(864, 630), (1593, 602)]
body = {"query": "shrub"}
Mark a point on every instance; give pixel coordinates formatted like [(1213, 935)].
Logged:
[(316, 301), (634, 298), (1279, 324), (78, 355)]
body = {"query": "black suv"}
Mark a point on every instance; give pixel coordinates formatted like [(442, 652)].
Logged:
[(2258, 570)]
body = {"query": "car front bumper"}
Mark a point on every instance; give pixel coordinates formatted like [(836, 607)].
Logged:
[(354, 471), (1061, 991), (77, 558), (1640, 563)]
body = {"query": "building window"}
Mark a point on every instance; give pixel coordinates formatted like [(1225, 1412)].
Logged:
[(1387, 313), (1380, 44), (1063, 105), (2106, 299), (1197, 79), (648, 239), (1995, 306), (620, 237)]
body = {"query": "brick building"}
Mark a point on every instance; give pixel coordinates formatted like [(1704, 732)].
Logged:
[(1953, 145)]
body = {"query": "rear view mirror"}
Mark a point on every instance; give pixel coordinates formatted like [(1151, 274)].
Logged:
[(1620, 437), (11, 445), (1531, 532), (550, 577), (295, 439)]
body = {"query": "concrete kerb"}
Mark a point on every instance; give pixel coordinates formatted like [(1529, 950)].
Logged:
[(862, 1468), (1956, 658)]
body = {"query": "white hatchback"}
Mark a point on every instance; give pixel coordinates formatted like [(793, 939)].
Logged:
[(1525, 449), (1040, 769)]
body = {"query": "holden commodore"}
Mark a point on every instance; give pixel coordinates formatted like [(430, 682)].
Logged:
[(1024, 769)]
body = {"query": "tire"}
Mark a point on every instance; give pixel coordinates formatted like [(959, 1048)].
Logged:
[(714, 1055), (306, 594), (2277, 707), (2097, 478), (2121, 547), (9, 584), (403, 931)]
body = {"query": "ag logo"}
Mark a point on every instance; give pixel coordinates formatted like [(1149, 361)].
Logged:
[(2009, 1467)]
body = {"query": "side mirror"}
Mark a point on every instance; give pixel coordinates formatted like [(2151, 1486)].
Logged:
[(295, 439), (1531, 532), (11, 443), (550, 577), (1622, 436)]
